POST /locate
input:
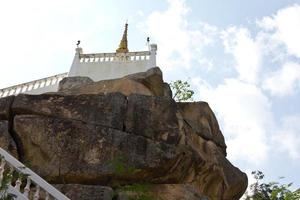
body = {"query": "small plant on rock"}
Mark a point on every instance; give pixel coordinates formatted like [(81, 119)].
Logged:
[(181, 91)]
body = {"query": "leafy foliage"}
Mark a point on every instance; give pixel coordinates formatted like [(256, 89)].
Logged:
[(181, 91), (270, 191)]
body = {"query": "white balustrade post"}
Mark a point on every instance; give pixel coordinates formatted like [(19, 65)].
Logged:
[(24, 88), (27, 187), (39, 85), (47, 196), (18, 184), (37, 193), (2, 170), (153, 49)]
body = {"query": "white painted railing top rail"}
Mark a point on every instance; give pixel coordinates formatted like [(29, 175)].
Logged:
[(24, 193), (112, 57), (33, 85)]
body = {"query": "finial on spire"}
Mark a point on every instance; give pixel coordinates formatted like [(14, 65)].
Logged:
[(78, 43), (123, 46)]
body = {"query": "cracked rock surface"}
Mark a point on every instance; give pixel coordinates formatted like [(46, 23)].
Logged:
[(101, 137)]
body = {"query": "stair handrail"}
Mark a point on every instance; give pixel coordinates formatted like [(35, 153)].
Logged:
[(18, 195), (32, 85), (33, 176)]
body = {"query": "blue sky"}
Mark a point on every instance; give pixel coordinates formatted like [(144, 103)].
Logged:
[(243, 57)]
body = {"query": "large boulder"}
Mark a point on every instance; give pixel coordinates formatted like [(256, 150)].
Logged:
[(146, 83), (103, 155), (134, 191), (202, 121), (152, 117), (148, 116), (155, 141), (216, 177), (177, 191), (106, 110), (159, 191), (86, 192), (69, 83), (119, 133)]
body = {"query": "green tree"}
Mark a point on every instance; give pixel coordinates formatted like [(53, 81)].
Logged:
[(270, 191), (181, 91)]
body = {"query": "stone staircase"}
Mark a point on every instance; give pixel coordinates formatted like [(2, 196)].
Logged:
[(21, 183)]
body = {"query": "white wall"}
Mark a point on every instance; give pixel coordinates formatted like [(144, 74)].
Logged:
[(111, 65)]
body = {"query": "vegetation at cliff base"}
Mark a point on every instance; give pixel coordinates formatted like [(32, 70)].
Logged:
[(271, 190)]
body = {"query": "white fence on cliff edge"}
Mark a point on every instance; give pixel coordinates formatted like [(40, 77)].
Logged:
[(35, 187), (111, 57), (33, 85)]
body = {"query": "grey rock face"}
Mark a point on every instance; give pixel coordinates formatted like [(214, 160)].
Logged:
[(73, 82), (86, 192), (107, 110), (152, 117), (5, 105), (102, 154), (6, 141)]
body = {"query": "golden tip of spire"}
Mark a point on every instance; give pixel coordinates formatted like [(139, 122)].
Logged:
[(123, 46)]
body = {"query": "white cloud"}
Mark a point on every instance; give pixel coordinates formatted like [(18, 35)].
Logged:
[(208, 63), (285, 81), (284, 27), (179, 44), (246, 51), (244, 114), (242, 107), (38, 38), (288, 136)]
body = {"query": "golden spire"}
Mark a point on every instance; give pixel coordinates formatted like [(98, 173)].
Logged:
[(123, 46)]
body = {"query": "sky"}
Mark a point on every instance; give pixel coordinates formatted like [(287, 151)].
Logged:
[(242, 57)]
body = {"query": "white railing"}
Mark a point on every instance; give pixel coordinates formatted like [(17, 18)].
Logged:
[(27, 191), (33, 85), (111, 57)]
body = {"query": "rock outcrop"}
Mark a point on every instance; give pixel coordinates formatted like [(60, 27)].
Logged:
[(145, 83), (121, 139)]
